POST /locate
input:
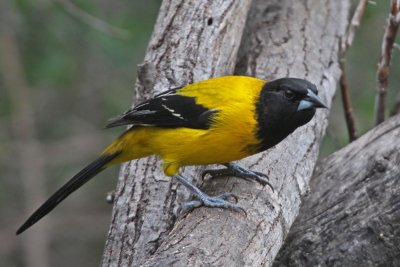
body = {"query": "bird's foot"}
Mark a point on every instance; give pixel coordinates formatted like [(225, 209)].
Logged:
[(234, 169), (212, 202), (219, 201)]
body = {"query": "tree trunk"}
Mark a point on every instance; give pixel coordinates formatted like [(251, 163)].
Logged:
[(352, 216), (197, 41), (192, 40)]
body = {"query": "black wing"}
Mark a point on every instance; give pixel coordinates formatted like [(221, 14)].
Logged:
[(168, 109)]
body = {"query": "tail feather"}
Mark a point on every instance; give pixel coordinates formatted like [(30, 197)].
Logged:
[(77, 181)]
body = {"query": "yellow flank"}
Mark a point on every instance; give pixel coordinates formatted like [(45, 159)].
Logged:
[(235, 124)]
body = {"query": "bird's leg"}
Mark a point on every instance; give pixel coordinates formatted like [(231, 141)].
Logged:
[(233, 169), (203, 199)]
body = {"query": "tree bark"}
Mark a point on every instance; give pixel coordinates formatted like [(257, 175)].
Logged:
[(352, 216), (192, 40), (281, 39)]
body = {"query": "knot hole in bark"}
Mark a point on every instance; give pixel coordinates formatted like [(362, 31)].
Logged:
[(380, 164)]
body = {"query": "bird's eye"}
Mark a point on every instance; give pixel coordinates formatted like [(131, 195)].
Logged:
[(288, 94)]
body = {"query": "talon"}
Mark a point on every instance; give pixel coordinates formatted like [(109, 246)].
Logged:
[(216, 202), (234, 169), (203, 175), (211, 202), (226, 195), (260, 174), (206, 200)]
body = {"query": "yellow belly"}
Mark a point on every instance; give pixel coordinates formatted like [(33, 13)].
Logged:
[(198, 147), (232, 134), (182, 146)]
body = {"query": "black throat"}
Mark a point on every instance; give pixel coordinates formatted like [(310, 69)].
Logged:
[(276, 120)]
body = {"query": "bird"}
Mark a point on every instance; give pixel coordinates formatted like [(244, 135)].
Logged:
[(214, 121)]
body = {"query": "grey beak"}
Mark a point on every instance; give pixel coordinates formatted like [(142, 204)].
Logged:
[(311, 100)]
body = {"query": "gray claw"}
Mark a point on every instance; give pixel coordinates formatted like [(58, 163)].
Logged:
[(205, 200), (234, 169), (226, 195), (212, 202)]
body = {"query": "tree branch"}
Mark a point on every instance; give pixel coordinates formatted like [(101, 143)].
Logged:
[(346, 101), (352, 216), (345, 44), (354, 24), (93, 21), (389, 38)]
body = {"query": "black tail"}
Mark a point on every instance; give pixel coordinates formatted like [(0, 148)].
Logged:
[(77, 181)]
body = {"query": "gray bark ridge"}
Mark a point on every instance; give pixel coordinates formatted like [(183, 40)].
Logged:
[(192, 41), (352, 216)]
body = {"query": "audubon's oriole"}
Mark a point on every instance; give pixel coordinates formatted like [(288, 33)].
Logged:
[(215, 121)]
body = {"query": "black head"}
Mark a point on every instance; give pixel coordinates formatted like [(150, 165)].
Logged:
[(284, 105)]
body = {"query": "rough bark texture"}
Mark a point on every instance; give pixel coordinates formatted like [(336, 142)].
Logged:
[(192, 40), (282, 39), (352, 217)]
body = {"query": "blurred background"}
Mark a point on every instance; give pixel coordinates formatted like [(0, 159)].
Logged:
[(68, 66)]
